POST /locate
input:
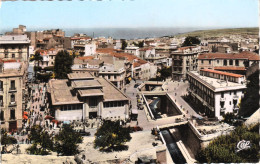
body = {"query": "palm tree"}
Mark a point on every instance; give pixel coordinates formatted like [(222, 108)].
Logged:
[(36, 57)]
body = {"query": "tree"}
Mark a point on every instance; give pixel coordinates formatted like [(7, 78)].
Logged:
[(66, 142), (7, 140), (165, 72), (63, 63), (112, 136), (250, 102), (124, 44), (42, 141), (223, 149), (141, 44), (190, 41), (38, 58)]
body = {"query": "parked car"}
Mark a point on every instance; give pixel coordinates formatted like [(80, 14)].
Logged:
[(136, 128)]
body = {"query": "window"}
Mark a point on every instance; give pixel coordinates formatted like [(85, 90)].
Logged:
[(237, 62), (93, 102), (12, 98), (201, 61), (225, 62), (114, 77), (1, 85), (6, 55), (12, 114), (230, 62), (235, 92), (109, 77), (13, 55), (222, 94), (12, 85), (2, 115), (218, 61), (209, 61), (1, 101), (230, 93)]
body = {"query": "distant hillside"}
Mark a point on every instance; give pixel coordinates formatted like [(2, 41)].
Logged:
[(221, 32)]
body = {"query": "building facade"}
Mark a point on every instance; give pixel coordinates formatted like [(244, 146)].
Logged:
[(14, 47), (230, 62), (216, 92), (84, 96), (13, 78)]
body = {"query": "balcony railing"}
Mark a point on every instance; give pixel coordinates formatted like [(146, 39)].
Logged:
[(235, 97), (222, 99), (6, 51), (13, 103), (12, 89), (222, 109)]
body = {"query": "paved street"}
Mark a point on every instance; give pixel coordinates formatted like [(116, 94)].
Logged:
[(175, 90)]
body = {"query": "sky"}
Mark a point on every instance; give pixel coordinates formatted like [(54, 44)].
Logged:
[(129, 13)]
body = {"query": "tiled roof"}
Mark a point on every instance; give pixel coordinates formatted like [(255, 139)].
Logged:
[(222, 73), (242, 55), (230, 68)]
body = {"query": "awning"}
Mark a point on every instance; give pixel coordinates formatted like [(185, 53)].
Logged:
[(25, 117), (55, 121), (48, 117)]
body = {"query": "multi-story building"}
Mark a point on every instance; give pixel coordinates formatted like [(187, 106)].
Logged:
[(115, 73), (48, 57), (87, 64), (184, 60), (12, 93), (14, 47), (230, 62), (84, 96), (133, 50), (216, 92)]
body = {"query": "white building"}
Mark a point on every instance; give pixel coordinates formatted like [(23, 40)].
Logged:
[(216, 92), (90, 49), (133, 50)]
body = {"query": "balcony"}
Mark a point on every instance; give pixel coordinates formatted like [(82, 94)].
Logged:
[(12, 89), (222, 109), (20, 51), (222, 99), (93, 108), (6, 51), (11, 104), (235, 97)]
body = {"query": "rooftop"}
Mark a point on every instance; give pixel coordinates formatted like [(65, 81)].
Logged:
[(91, 92), (77, 76), (61, 93), (242, 55), (86, 84), (216, 85), (111, 93), (222, 73), (14, 39)]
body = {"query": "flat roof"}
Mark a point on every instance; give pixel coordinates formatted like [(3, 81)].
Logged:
[(75, 76), (91, 92), (61, 93), (216, 84)]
